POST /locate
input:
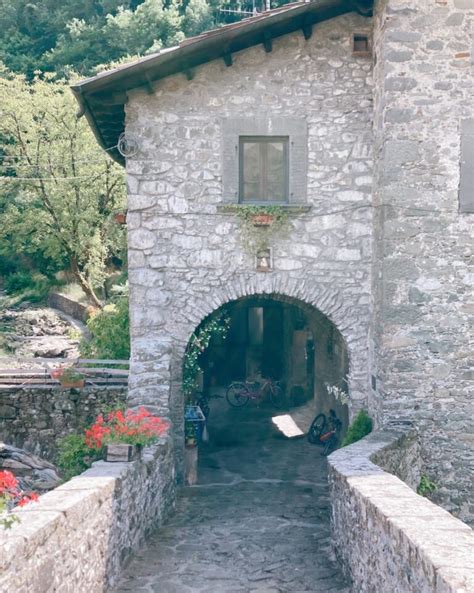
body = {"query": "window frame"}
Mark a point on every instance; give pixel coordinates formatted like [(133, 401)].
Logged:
[(264, 140), (295, 128)]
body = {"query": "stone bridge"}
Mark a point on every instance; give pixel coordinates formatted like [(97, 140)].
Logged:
[(257, 521)]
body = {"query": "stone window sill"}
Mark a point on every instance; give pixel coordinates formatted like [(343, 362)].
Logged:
[(290, 208)]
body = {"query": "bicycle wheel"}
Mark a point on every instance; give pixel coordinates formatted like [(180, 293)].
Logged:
[(277, 396), (330, 446), (237, 394), (316, 429)]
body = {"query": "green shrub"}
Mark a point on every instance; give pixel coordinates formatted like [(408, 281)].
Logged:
[(26, 286), (18, 281), (360, 427), (110, 332), (73, 456), (426, 486)]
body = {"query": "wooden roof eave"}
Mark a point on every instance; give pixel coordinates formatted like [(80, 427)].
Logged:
[(107, 91)]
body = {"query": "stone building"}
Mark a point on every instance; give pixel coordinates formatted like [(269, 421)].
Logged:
[(355, 123)]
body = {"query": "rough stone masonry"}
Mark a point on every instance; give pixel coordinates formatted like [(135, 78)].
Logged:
[(186, 256), (383, 245), (423, 275)]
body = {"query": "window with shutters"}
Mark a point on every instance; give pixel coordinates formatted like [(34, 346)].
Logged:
[(263, 169), (264, 160)]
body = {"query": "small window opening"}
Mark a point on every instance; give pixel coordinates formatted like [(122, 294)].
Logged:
[(360, 44), (263, 169)]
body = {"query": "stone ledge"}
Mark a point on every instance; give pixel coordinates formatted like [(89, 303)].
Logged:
[(387, 537), (78, 536), (295, 209)]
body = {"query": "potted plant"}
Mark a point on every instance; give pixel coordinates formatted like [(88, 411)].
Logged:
[(120, 217), (122, 435), (194, 421), (263, 219), (190, 435), (69, 377)]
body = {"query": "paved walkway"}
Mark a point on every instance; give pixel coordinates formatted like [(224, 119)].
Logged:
[(257, 522)]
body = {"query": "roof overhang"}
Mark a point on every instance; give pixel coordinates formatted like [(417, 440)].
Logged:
[(102, 98)]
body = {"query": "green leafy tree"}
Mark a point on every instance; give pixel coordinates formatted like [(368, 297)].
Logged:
[(78, 35), (110, 332), (58, 187), (198, 17)]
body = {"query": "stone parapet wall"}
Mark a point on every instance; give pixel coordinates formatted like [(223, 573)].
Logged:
[(386, 536), (78, 536), (68, 306), (36, 418)]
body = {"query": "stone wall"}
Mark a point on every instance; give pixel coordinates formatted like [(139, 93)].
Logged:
[(35, 418), (78, 536), (186, 257), (69, 306), (423, 245), (386, 537)]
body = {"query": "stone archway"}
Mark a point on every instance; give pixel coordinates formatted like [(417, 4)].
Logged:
[(161, 331), (156, 368)]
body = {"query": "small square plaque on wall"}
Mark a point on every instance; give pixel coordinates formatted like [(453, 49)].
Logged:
[(263, 260)]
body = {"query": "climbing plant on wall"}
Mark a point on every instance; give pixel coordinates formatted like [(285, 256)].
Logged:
[(216, 325), (260, 226)]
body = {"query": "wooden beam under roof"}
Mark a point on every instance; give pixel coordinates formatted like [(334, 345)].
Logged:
[(267, 41), (194, 52), (307, 27)]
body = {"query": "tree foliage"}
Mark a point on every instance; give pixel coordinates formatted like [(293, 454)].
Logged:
[(79, 35), (110, 332), (58, 189)]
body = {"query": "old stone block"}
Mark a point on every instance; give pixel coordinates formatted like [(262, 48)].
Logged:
[(455, 20), (141, 239), (404, 36), (400, 84), (399, 56), (399, 115), (400, 152), (435, 44), (348, 254), (7, 412)]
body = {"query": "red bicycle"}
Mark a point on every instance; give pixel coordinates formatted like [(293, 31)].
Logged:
[(325, 431), (240, 392)]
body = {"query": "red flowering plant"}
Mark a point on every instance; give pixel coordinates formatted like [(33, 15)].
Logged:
[(131, 427), (10, 496)]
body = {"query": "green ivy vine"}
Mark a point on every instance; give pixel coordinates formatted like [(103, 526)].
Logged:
[(256, 238), (215, 326)]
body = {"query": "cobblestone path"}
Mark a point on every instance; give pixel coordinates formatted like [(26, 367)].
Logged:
[(257, 522)]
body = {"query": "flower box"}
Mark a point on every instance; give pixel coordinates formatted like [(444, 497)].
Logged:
[(121, 452), (68, 377), (262, 219), (77, 384), (56, 374)]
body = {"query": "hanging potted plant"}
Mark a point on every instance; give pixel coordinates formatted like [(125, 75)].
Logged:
[(262, 219), (120, 217), (121, 435), (69, 377), (260, 226)]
